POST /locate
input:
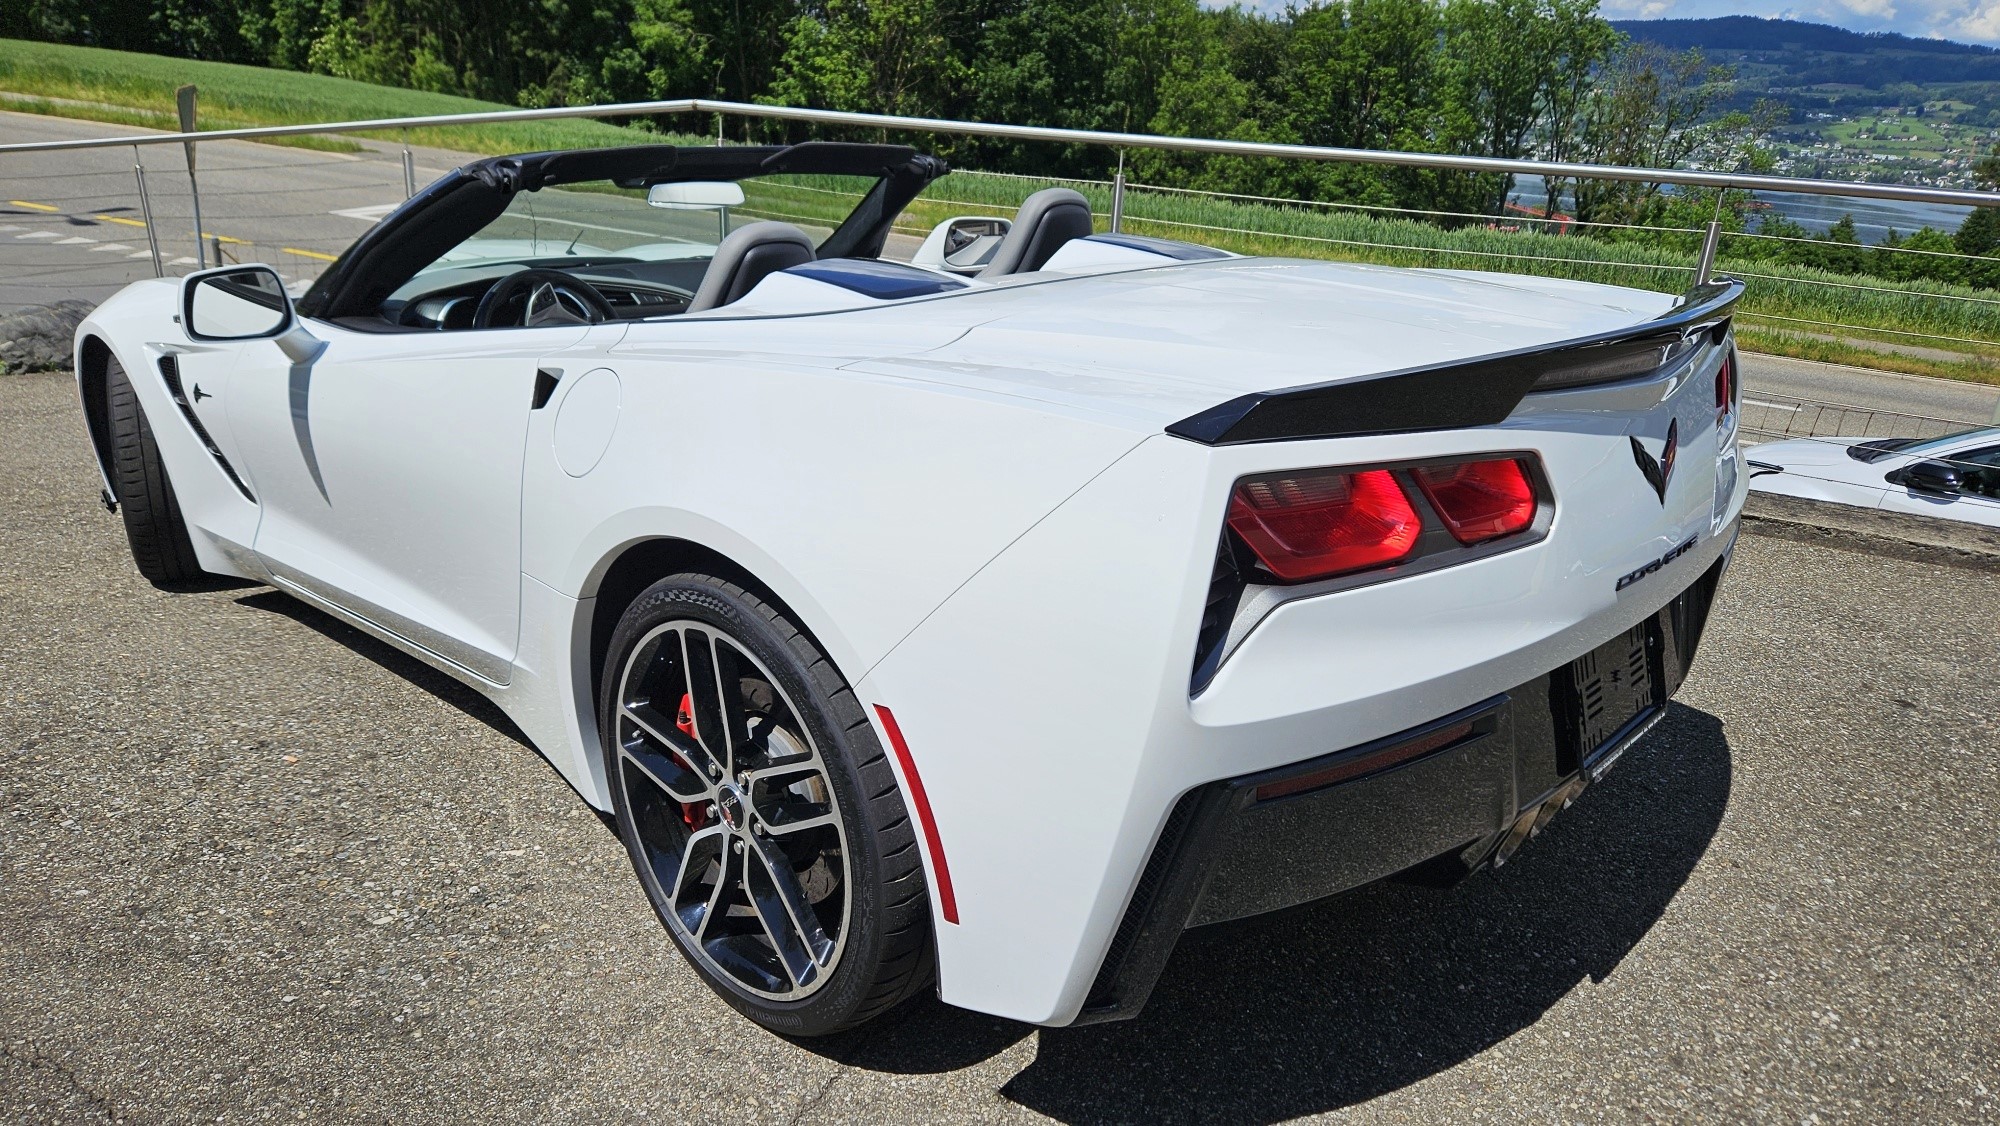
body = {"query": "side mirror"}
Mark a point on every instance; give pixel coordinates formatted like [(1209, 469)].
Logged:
[(1939, 478), (963, 245), (235, 303)]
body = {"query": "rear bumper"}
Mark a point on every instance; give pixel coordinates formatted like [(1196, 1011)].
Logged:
[(1464, 790)]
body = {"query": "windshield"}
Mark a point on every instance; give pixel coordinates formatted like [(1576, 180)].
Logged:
[(580, 225), (1918, 449), (645, 221)]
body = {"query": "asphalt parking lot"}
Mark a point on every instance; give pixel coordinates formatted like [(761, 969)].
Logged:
[(259, 867)]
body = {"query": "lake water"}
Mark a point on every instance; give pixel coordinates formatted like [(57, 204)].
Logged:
[(1873, 218)]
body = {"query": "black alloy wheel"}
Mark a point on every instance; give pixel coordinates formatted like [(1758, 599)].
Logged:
[(759, 811)]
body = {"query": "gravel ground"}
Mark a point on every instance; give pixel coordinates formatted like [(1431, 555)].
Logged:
[(259, 867)]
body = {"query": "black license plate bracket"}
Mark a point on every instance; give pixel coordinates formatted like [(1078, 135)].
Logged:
[(1602, 696)]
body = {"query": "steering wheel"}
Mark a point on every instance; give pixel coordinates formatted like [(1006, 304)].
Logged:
[(548, 297)]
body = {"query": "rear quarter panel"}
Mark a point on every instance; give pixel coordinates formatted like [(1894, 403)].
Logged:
[(1048, 701), (861, 501)]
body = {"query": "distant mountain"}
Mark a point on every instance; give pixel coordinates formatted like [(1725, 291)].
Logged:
[(1791, 53), (1753, 33)]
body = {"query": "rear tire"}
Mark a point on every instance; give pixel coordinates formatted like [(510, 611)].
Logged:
[(759, 810), (153, 524)]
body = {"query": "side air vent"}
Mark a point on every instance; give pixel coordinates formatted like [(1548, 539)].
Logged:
[(170, 373)]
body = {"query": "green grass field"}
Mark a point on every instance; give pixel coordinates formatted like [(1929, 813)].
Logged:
[(1787, 311), (134, 89)]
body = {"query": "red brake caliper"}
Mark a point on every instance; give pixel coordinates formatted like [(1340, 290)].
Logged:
[(695, 813)]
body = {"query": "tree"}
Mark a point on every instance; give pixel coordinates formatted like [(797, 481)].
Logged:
[(1644, 113), (1513, 66), (1987, 171), (1980, 233), (879, 56), (1585, 42), (1201, 93)]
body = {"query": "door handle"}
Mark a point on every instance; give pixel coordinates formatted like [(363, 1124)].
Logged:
[(545, 386)]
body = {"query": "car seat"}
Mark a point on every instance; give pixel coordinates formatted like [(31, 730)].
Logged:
[(749, 255), (1047, 220)]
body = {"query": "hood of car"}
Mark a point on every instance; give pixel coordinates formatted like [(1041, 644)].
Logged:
[(1807, 453), (1159, 344)]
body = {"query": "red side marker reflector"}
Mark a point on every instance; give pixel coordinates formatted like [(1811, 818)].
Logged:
[(947, 902)]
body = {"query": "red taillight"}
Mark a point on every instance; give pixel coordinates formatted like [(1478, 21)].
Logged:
[(1480, 500), (1324, 523), (1725, 385)]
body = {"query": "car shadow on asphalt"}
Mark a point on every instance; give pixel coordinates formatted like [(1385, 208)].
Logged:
[(1336, 1002), (390, 658)]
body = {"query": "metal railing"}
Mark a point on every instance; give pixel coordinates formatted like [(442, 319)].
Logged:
[(1768, 416), (1436, 161), (1963, 325)]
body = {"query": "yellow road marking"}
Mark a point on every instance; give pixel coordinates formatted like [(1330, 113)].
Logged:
[(122, 221), (309, 254)]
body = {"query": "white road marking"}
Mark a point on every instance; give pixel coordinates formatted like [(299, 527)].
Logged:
[(74, 240), (141, 254), (367, 214), (38, 234), (1773, 406), (109, 246), (184, 261), (4, 230)]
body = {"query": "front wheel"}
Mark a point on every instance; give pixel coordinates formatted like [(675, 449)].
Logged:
[(161, 546), (759, 811)]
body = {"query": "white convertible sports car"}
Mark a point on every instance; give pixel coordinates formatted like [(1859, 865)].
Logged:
[(983, 621), (1953, 477)]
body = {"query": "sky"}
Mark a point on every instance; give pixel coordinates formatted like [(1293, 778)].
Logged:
[(1968, 21)]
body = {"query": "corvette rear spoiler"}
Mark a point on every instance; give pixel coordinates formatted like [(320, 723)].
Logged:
[(1464, 393)]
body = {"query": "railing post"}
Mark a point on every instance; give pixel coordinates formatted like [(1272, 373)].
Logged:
[(184, 101), (1118, 195), (1704, 268), (146, 213), (409, 169)]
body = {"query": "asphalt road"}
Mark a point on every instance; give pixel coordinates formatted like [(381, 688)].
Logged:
[(67, 228), (1781, 380), (258, 867), (269, 202)]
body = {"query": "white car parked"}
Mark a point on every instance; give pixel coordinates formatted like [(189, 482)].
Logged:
[(1956, 477), (985, 622)]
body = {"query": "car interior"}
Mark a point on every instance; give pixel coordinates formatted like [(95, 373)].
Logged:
[(603, 234), (591, 236)]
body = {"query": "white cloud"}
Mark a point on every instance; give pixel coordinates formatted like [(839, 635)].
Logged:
[(1882, 10), (1980, 25)]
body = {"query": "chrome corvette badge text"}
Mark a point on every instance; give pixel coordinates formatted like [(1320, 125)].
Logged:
[(1656, 564)]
